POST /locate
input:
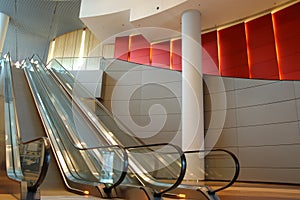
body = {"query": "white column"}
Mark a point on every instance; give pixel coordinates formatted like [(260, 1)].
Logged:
[(192, 93), (4, 19)]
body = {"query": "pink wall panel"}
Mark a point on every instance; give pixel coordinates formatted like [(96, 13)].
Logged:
[(210, 62), (122, 48), (233, 51), (176, 55), (139, 50), (261, 48), (161, 54), (287, 34)]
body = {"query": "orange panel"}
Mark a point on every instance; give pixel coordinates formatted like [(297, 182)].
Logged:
[(139, 50), (210, 62), (261, 48), (286, 24), (233, 51), (161, 54), (122, 48), (176, 54)]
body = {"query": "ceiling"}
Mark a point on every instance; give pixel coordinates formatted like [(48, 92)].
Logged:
[(214, 14), (33, 23)]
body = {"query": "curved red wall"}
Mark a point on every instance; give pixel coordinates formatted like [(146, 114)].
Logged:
[(267, 47)]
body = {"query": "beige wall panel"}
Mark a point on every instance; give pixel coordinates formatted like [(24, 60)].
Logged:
[(108, 50), (70, 44), (161, 76), (168, 105), (171, 137), (78, 42), (219, 173), (107, 104), (298, 109), (277, 156), (217, 84), (220, 119), (297, 88), (248, 83), (230, 119), (120, 66), (152, 123), (59, 46), (50, 51), (265, 94), (86, 43), (220, 100), (122, 93), (270, 175), (124, 108), (156, 90), (273, 134), (267, 114), (221, 138), (94, 49), (121, 78)]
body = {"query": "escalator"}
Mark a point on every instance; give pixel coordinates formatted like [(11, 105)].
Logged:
[(158, 170), (25, 166), (82, 166), (24, 160)]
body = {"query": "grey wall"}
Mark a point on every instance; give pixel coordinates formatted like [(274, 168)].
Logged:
[(146, 99), (261, 126), (90, 79), (257, 120)]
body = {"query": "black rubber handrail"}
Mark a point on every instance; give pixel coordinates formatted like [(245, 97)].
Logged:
[(182, 169), (45, 165), (237, 168), (125, 155)]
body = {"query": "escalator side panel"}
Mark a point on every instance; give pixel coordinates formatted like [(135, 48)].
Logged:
[(29, 121)]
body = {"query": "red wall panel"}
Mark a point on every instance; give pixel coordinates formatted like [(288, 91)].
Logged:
[(233, 51), (287, 35), (210, 62), (139, 50), (161, 54), (122, 48), (176, 54), (261, 48)]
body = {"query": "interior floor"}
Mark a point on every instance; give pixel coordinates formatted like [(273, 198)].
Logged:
[(260, 191), (239, 191)]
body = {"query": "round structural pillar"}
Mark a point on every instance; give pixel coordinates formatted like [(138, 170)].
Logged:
[(192, 94), (4, 20), (192, 89)]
